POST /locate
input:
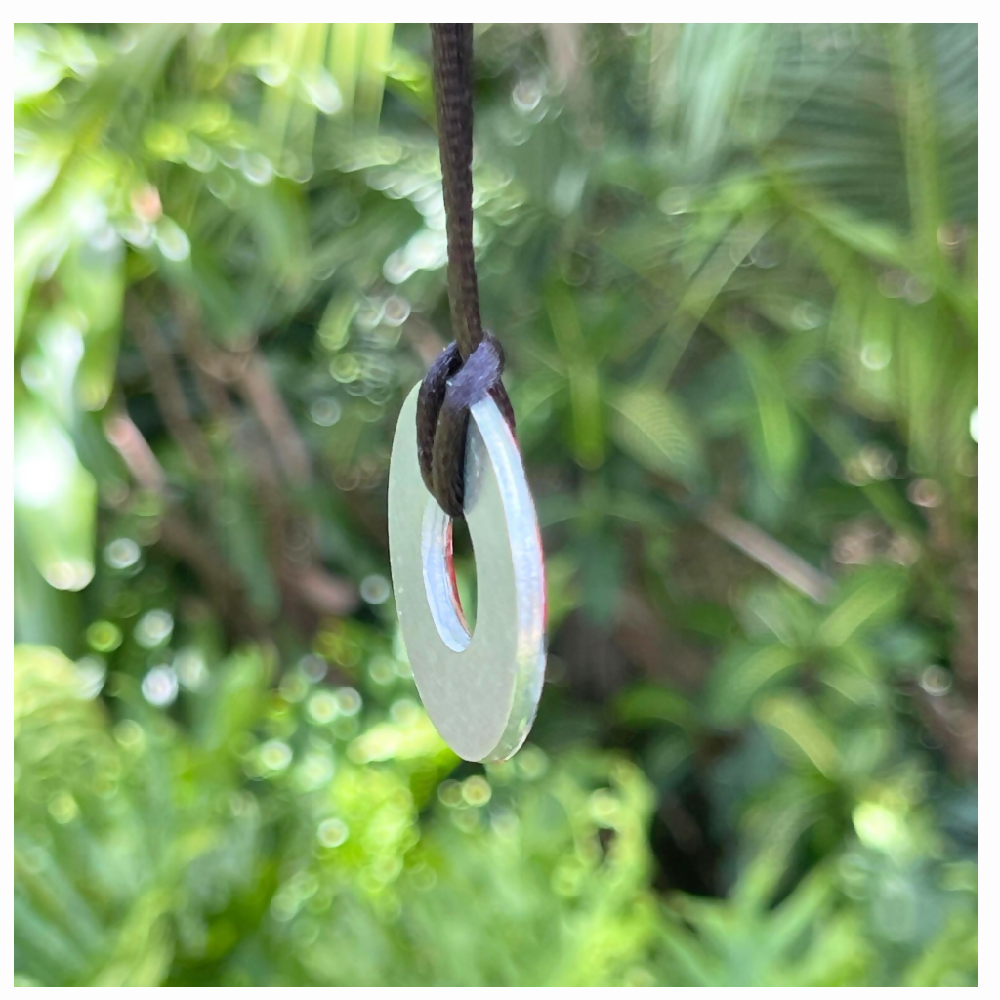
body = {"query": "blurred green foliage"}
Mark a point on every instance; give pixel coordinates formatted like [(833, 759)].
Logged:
[(734, 268)]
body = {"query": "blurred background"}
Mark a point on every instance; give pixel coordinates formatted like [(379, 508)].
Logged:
[(734, 269)]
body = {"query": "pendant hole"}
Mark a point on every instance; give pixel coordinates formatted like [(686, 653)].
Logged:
[(445, 593), (465, 580)]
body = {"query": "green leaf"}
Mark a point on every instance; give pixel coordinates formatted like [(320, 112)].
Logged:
[(655, 430), (584, 378), (799, 732), (55, 498), (778, 441), (650, 703), (90, 911), (738, 679), (868, 599), (93, 280)]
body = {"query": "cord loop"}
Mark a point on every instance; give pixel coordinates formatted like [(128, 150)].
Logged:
[(471, 366)]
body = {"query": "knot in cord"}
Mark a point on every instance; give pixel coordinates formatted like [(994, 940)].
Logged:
[(448, 391)]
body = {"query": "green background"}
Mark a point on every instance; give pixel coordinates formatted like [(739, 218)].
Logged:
[(734, 270)]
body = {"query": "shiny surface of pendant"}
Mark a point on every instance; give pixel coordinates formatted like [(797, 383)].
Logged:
[(481, 690)]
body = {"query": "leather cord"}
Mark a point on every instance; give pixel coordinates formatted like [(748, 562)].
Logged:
[(471, 366)]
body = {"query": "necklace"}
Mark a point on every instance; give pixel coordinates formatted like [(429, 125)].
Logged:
[(480, 690)]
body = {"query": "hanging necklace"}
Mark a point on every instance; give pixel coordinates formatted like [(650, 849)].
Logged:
[(455, 455)]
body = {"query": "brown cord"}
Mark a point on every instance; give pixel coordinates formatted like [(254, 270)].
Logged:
[(469, 368), (452, 47)]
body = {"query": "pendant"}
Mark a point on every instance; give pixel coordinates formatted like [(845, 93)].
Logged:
[(480, 691)]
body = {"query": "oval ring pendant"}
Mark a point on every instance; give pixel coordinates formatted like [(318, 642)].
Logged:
[(480, 690)]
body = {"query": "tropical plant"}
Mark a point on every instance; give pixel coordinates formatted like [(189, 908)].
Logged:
[(734, 270)]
